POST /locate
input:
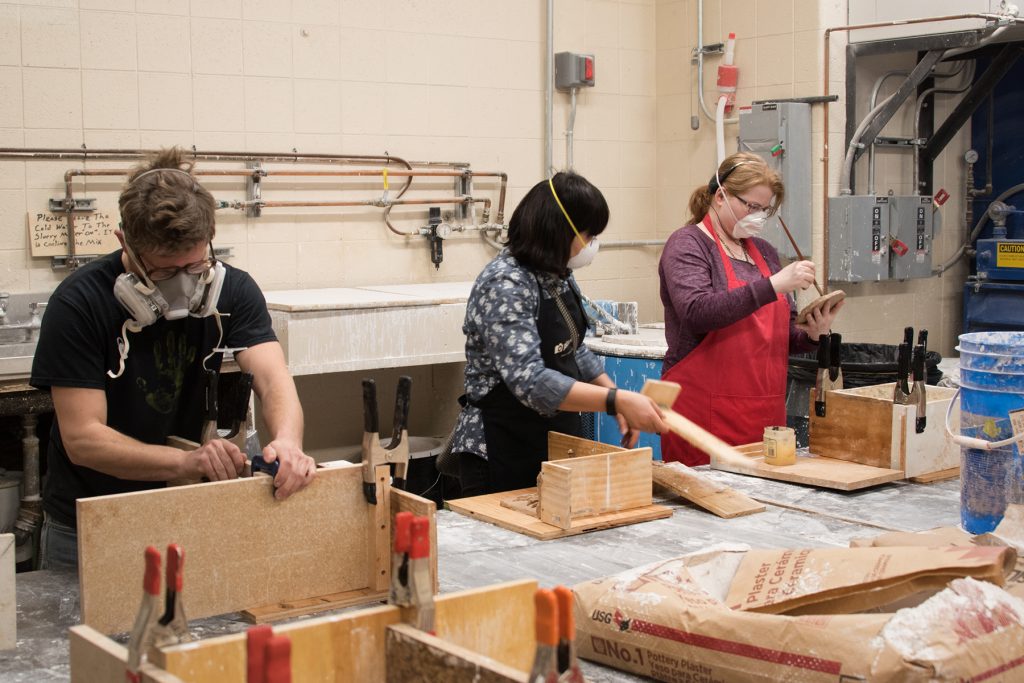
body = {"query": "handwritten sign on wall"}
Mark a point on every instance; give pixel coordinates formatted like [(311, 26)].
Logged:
[(94, 232)]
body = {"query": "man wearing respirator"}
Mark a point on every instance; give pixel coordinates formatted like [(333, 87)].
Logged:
[(123, 349)]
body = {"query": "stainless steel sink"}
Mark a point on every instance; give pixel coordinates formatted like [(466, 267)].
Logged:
[(20, 318)]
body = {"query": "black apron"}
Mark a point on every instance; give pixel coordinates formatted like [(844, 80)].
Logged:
[(517, 435)]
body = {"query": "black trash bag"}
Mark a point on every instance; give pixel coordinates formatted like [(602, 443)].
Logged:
[(863, 365)]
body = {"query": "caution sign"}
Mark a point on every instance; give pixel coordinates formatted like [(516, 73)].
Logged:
[(1010, 255)]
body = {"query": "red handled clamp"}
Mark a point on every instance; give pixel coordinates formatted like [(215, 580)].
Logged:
[(173, 626), (400, 589), (146, 619)]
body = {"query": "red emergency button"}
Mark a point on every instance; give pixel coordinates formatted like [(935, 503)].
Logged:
[(588, 70)]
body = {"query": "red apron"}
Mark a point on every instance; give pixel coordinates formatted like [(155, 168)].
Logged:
[(734, 382)]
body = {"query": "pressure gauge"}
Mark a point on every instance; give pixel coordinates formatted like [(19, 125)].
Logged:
[(971, 156), (444, 231)]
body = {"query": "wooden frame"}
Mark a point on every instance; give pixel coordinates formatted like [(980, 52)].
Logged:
[(676, 478), (584, 486), (486, 632), (884, 433), (592, 485), (323, 548)]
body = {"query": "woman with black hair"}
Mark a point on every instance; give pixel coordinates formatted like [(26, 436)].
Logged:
[(527, 369)]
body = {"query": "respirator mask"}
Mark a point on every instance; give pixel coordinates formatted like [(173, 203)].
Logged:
[(183, 294), (586, 256), (750, 225)]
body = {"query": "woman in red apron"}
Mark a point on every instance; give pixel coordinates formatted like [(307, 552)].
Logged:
[(729, 317)]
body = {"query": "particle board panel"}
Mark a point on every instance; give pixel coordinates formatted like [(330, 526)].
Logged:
[(698, 489), (590, 485), (8, 607), (494, 621), (242, 547), (417, 657), (489, 508), (811, 470)]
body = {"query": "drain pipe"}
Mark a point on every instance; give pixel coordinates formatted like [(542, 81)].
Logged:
[(549, 92), (30, 514)]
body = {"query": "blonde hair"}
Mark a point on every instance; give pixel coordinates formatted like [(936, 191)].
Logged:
[(738, 172)]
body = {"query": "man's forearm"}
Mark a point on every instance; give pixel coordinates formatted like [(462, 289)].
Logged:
[(282, 411), (108, 451)]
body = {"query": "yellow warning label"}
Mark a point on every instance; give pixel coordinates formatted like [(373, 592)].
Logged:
[(1010, 255)]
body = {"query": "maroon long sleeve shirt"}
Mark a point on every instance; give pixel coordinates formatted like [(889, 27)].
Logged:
[(695, 292)]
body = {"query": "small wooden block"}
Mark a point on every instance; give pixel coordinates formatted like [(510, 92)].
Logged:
[(417, 657), (826, 302), (941, 475), (698, 489), (8, 608), (269, 614)]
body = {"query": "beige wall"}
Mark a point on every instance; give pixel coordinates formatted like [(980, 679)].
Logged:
[(779, 52), (439, 80)]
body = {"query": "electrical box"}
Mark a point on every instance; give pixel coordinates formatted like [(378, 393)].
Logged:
[(858, 227), (573, 70), (780, 133), (912, 229)]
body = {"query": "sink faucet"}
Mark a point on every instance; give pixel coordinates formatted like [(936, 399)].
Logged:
[(36, 310), (5, 299)]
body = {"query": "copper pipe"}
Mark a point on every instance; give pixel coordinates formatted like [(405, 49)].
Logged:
[(825, 92), (367, 202), (269, 174), (798, 254)]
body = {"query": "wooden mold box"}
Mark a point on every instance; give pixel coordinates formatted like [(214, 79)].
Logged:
[(599, 489), (484, 634), (863, 425), (324, 547)]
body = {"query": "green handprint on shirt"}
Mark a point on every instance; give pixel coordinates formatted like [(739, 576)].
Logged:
[(171, 358)]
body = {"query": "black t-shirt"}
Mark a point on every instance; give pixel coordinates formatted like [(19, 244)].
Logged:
[(160, 393)]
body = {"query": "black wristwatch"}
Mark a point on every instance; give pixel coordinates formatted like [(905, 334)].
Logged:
[(609, 401)]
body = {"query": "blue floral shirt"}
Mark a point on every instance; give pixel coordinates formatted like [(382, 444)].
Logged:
[(503, 345)]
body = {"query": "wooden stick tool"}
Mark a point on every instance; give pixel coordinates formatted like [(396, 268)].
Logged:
[(798, 254)]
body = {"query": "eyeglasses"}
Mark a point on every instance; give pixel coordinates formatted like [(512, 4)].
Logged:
[(167, 272), (754, 207)]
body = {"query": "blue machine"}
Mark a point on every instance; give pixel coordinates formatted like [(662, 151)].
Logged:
[(994, 292), (630, 373)]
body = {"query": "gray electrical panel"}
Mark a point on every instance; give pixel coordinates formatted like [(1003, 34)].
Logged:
[(573, 70), (858, 228), (780, 133), (912, 229)]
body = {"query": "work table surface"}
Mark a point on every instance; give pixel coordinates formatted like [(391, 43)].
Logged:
[(473, 554)]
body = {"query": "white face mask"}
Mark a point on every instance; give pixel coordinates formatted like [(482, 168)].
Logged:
[(750, 225), (585, 256), (179, 292)]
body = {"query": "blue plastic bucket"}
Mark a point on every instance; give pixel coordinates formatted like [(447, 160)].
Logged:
[(993, 362), (990, 479), (1006, 343)]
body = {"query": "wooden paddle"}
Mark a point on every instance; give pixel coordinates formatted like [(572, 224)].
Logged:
[(664, 394)]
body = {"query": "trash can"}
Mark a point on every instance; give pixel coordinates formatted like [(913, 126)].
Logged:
[(863, 365)]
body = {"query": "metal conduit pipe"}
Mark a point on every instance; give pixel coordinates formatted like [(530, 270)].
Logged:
[(379, 203), (825, 91), (700, 66), (917, 119), (871, 105), (549, 92)]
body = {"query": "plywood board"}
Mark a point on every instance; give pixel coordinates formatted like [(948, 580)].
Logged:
[(495, 621), (575, 488), (489, 508), (8, 605), (561, 446), (242, 547), (698, 489), (94, 658), (417, 657), (811, 470)]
